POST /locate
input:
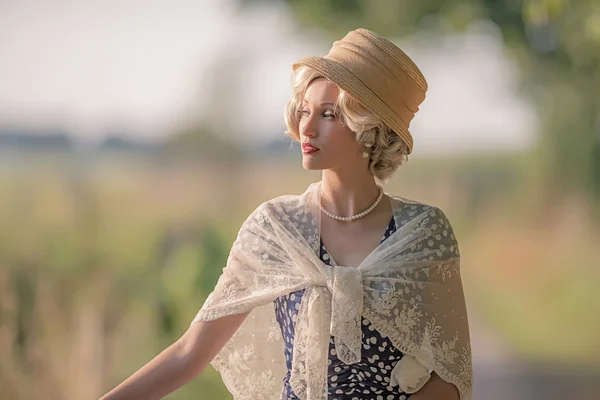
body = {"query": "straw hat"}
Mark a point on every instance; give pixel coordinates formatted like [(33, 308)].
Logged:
[(378, 74)]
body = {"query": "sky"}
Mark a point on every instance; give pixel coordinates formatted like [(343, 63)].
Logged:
[(149, 67)]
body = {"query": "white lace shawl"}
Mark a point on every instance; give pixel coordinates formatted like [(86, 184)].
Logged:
[(409, 288)]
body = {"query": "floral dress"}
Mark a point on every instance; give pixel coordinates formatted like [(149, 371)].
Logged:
[(368, 379)]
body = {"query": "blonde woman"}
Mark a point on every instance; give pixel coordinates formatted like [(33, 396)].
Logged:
[(345, 291)]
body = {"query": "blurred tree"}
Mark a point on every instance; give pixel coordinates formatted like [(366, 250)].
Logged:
[(556, 43)]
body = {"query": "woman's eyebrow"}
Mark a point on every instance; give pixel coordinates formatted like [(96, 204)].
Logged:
[(322, 104)]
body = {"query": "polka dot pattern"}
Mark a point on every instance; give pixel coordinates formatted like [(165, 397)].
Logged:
[(366, 380)]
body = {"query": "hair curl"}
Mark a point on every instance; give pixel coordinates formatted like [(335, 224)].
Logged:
[(388, 151)]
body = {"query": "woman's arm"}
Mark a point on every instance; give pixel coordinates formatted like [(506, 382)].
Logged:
[(180, 362), (436, 389)]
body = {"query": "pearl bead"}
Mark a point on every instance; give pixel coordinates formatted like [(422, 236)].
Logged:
[(353, 217)]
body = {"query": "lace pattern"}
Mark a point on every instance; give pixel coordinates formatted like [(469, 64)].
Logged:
[(374, 377), (409, 287)]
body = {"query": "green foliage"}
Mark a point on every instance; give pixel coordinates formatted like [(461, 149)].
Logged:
[(98, 259)]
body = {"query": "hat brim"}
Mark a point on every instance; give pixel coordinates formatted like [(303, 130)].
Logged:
[(347, 81)]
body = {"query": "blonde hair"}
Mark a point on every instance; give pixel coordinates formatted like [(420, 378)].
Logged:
[(388, 150)]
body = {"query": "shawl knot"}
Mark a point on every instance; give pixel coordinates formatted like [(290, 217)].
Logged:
[(335, 302)]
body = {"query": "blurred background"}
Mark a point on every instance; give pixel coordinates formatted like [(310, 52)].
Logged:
[(135, 138)]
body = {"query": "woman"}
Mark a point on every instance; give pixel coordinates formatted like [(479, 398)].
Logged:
[(313, 303)]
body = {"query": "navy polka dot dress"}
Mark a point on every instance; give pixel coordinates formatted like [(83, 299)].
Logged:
[(368, 379)]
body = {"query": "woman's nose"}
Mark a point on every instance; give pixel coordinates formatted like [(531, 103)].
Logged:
[(308, 126)]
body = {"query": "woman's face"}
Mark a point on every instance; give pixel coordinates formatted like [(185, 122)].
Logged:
[(326, 142)]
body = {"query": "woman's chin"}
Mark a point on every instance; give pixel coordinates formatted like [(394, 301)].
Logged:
[(310, 164)]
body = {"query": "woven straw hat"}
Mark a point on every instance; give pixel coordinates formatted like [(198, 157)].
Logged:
[(378, 74)]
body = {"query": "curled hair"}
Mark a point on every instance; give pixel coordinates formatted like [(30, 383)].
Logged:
[(388, 150)]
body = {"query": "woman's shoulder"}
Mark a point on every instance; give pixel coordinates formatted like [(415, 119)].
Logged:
[(403, 206), (288, 204), (292, 203), (428, 218), (404, 202)]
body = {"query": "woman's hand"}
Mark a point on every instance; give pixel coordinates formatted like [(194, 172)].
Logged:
[(436, 389)]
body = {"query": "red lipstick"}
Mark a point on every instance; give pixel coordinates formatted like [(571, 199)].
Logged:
[(308, 148)]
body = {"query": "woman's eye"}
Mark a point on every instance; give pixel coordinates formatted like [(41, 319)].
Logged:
[(326, 114)]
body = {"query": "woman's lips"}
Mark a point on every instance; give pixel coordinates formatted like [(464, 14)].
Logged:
[(308, 148)]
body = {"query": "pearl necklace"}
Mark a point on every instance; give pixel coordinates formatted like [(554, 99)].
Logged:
[(353, 217)]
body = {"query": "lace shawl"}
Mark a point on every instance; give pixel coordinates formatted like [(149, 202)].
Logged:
[(409, 287)]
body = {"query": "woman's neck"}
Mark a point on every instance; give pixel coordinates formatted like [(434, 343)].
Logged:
[(346, 194)]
